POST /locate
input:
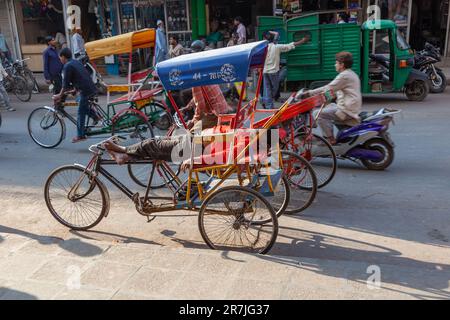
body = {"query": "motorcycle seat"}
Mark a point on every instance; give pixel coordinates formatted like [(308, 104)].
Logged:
[(365, 114)]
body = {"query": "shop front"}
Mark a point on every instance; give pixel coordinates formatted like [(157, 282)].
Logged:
[(139, 14), (419, 21), (34, 21), (352, 9), (215, 18), (7, 31)]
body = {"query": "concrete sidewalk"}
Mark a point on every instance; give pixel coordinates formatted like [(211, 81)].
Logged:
[(41, 267)]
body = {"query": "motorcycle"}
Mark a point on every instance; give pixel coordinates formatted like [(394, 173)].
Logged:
[(369, 142), (425, 61)]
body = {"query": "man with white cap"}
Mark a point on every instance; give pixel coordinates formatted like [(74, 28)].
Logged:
[(161, 43)]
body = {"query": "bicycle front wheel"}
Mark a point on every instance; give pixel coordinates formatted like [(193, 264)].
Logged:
[(21, 89), (238, 218), (46, 128), (75, 199)]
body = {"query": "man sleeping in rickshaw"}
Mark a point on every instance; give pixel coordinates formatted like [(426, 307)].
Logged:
[(208, 103), (203, 72)]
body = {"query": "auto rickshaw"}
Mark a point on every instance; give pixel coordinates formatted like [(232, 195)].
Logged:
[(374, 44)]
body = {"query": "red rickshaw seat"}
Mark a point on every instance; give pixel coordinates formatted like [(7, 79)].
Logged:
[(140, 95)]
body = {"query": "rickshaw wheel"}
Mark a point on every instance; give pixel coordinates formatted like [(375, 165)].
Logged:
[(320, 155), (238, 218), (158, 115), (86, 208), (140, 174), (302, 180), (133, 126)]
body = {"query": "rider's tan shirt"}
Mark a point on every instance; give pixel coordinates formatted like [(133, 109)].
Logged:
[(347, 88)]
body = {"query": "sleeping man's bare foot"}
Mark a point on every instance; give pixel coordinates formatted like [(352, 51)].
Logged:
[(109, 145), (120, 158), (117, 153)]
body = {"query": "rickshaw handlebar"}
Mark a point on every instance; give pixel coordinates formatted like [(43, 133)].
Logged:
[(99, 146)]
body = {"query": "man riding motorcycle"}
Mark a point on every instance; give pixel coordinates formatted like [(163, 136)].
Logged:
[(347, 87)]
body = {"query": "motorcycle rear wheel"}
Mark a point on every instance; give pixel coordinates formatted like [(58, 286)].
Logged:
[(385, 148)]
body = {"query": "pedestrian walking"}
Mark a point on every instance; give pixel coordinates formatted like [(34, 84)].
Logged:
[(52, 65), (161, 43), (272, 65), (4, 98)]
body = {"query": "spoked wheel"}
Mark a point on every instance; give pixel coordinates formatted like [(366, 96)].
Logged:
[(21, 89), (31, 81), (46, 128), (132, 126), (438, 81), (302, 180), (140, 173), (280, 197), (320, 154), (75, 199), (238, 218), (158, 115)]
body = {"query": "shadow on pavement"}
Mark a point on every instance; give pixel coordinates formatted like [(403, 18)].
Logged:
[(75, 246), (108, 236), (314, 245), (11, 294)]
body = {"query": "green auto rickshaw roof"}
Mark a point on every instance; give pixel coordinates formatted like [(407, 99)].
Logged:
[(378, 25)]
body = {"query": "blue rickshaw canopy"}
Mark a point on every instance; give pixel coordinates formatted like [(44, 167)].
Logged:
[(218, 66)]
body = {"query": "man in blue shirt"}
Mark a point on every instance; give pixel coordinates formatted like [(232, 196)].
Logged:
[(75, 75), (52, 65), (161, 43)]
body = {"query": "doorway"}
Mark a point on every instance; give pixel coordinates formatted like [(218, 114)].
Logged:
[(428, 23)]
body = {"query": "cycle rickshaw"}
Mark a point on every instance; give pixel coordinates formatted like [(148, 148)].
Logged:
[(232, 196), (134, 114)]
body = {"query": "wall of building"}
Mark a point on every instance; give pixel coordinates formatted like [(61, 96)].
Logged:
[(5, 27)]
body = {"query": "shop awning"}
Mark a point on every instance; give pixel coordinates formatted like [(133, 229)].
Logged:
[(217, 66), (124, 43)]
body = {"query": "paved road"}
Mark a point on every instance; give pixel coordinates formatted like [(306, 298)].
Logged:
[(397, 220)]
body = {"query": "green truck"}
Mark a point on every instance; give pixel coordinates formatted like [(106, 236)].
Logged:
[(314, 62)]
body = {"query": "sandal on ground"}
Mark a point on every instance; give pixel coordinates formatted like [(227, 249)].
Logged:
[(78, 139)]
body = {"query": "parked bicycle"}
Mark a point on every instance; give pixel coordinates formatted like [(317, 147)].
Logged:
[(17, 85), (20, 68)]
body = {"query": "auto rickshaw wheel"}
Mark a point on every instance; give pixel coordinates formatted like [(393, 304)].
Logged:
[(417, 90)]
